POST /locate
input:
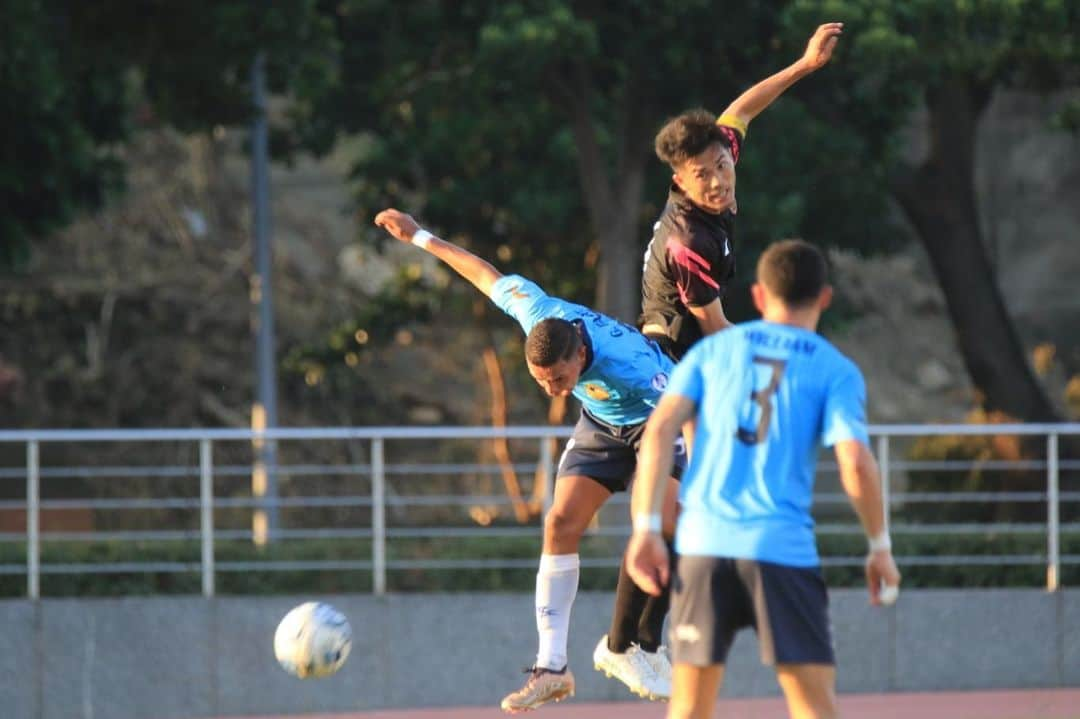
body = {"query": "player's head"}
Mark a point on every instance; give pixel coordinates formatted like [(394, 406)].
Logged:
[(792, 277), (699, 154), (555, 354)]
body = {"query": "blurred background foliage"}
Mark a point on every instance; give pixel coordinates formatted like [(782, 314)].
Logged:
[(521, 129), (524, 129)]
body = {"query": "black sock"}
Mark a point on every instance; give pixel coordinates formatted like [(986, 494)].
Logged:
[(651, 626), (630, 602)]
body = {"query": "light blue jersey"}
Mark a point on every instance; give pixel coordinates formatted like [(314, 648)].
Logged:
[(768, 397), (625, 372)]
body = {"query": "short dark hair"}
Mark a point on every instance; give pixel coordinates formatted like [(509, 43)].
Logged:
[(550, 341), (688, 135), (794, 271)]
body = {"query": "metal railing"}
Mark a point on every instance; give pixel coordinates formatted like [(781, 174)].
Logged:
[(378, 499)]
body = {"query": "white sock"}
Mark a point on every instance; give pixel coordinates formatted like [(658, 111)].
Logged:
[(556, 587)]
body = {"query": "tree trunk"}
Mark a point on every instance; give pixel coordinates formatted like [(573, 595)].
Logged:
[(939, 199), (612, 202), (618, 286)]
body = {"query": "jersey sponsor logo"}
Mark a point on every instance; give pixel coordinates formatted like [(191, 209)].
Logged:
[(687, 633), (597, 392), (659, 381)]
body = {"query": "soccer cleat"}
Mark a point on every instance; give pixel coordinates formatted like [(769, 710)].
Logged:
[(543, 686), (660, 661), (646, 674)]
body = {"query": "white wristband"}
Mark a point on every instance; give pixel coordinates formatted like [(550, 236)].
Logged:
[(647, 523), (421, 238), (881, 543)]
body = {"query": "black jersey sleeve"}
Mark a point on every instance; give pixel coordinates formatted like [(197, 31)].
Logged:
[(734, 130)]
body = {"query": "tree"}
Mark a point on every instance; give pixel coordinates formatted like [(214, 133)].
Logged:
[(950, 58), (529, 125), (63, 112), (79, 78)]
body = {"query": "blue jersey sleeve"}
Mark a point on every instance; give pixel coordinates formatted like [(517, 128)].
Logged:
[(523, 300), (686, 377), (845, 409)]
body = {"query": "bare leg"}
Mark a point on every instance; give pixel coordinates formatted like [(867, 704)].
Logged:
[(693, 691), (810, 690), (575, 502)]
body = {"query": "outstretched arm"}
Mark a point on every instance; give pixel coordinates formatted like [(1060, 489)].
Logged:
[(750, 104), (465, 263)]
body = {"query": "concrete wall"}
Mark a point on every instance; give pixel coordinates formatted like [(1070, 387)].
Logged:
[(165, 658)]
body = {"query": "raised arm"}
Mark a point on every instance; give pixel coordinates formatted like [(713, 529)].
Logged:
[(860, 479), (750, 104), (403, 227)]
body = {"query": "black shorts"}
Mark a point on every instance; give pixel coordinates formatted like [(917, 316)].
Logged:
[(608, 454), (714, 597)]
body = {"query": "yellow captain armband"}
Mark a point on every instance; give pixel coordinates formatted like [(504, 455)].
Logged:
[(734, 122)]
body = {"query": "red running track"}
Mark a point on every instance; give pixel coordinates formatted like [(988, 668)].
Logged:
[(1028, 704)]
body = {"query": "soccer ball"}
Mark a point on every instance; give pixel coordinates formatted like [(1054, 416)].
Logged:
[(313, 640)]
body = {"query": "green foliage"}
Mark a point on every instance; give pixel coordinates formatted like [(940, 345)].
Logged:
[(1068, 117), (916, 554), (978, 454), (473, 154), (64, 110), (473, 113), (252, 581), (77, 78), (892, 53), (475, 128), (339, 363), (193, 61)]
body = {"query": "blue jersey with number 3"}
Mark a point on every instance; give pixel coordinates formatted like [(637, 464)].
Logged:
[(627, 372), (768, 397)]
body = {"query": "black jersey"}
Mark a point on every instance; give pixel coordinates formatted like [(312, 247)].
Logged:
[(689, 263)]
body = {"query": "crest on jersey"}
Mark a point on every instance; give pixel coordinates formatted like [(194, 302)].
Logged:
[(659, 381), (597, 392)]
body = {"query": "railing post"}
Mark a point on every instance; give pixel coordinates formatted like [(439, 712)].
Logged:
[(378, 516), (206, 514), (547, 472), (33, 516), (1053, 549), (886, 487)]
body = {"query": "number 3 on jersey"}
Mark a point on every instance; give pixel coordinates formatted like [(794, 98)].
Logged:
[(760, 402)]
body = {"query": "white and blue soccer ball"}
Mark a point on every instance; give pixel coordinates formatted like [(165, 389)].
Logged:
[(313, 640)]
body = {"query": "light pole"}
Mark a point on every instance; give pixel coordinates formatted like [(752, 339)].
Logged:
[(264, 521)]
